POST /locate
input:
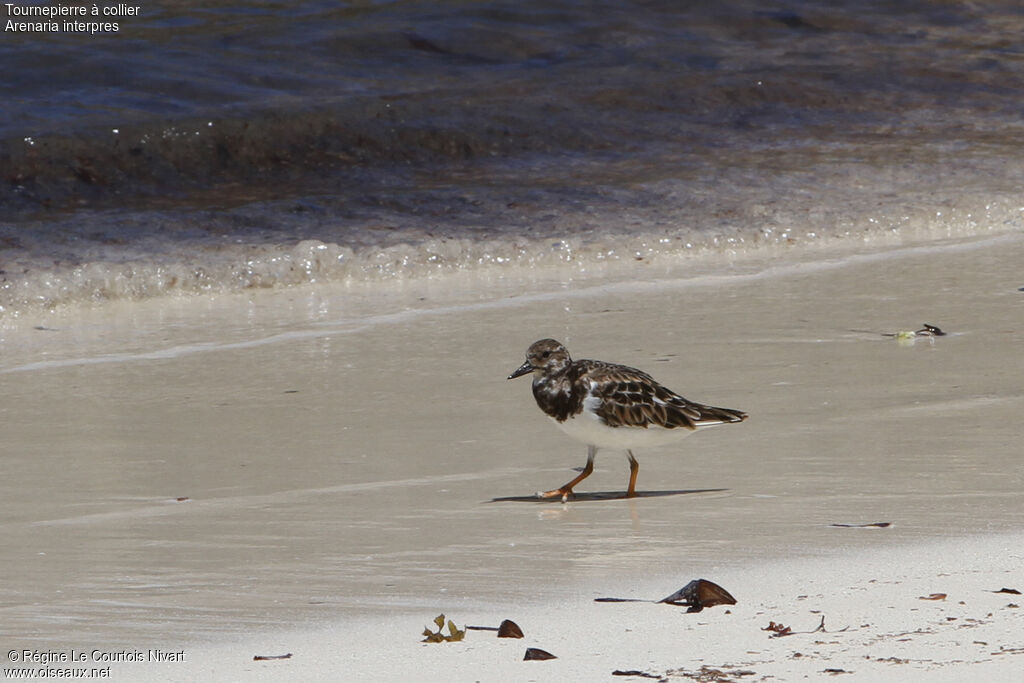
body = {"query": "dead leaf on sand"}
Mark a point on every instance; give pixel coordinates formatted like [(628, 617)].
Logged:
[(454, 634), (709, 674), (872, 525), (537, 654), (634, 672), (509, 629), (1011, 591), (933, 596), (778, 629), (930, 331), (926, 331), (698, 594), (267, 658)]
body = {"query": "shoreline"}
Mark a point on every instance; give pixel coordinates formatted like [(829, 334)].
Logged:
[(464, 292), (33, 290)]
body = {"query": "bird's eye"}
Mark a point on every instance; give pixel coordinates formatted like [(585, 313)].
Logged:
[(545, 354)]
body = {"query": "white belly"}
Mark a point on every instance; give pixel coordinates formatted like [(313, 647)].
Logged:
[(589, 429)]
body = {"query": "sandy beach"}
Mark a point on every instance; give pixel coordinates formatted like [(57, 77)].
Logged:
[(922, 612), (321, 472)]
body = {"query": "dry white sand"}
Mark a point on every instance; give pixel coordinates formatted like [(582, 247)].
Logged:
[(350, 465), (923, 612)]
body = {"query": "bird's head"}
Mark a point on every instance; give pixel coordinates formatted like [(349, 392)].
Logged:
[(546, 356)]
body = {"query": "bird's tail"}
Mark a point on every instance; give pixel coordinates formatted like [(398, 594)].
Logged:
[(711, 415)]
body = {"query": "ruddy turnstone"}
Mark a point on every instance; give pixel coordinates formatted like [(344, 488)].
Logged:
[(610, 406)]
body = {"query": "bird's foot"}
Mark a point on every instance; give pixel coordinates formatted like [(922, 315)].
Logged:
[(564, 493)]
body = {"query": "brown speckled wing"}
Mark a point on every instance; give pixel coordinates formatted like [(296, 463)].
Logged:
[(631, 398)]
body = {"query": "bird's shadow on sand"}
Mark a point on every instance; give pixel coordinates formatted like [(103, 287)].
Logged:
[(600, 496)]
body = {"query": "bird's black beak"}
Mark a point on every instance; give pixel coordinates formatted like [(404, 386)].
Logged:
[(524, 369)]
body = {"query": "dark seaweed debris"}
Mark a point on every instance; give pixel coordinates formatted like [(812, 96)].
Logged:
[(698, 594), (507, 629)]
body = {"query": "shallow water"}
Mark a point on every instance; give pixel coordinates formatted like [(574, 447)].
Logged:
[(226, 147)]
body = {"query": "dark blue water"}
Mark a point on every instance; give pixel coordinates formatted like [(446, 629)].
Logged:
[(226, 145)]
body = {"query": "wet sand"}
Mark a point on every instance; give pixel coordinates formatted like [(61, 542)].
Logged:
[(234, 475)]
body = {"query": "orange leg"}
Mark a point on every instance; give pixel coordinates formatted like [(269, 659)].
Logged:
[(634, 467), (566, 489)]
